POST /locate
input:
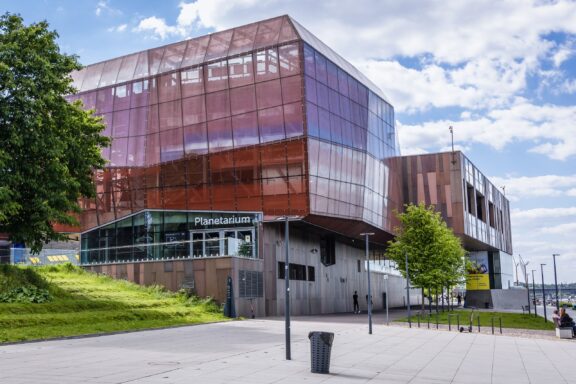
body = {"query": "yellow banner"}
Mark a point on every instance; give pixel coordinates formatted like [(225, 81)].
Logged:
[(478, 282)]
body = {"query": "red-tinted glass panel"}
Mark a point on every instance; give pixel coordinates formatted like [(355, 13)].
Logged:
[(172, 147), (154, 59), (295, 157), (142, 65), (243, 99), (268, 94), (110, 72), (218, 46), (219, 135), (173, 56), (170, 115), (216, 76), (140, 94), (196, 139), (136, 152), (241, 70), (289, 59), (223, 196), (268, 33), (122, 97), (174, 198), (127, 68), (293, 120), (195, 51), (121, 123), (291, 89), (119, 152), (193, 110), (192, 82), (243, 39), (199, 197), (138, 121), (245, 129), (169, 87), (271, 124), (217, 105), (266, 64), (105, 100), (152, 149), (287, 32), (222, 167)]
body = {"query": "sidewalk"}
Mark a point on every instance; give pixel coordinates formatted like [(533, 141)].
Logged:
[(253, 351)]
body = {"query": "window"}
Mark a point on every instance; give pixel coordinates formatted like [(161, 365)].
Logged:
[(297, 271), (327, 250), (311, 274)]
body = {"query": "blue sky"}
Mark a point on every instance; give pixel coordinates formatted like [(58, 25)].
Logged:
[(502, 73)]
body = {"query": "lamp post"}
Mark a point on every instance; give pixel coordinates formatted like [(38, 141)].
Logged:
[(386, 286), (287, 283), (534, 292), (408, 290), (543, 292), (556, 281), (366, 235)]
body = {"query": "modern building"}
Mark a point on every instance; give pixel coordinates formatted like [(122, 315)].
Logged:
[(221, 141)]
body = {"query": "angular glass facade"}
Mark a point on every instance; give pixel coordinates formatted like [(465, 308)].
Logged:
[(250, 119)]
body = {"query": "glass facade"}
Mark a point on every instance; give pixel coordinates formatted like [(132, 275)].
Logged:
[(166, 235), (350, 135), (250, 119)]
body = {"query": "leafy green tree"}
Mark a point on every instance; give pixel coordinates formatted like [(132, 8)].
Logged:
[(48, 147), (435, 254)]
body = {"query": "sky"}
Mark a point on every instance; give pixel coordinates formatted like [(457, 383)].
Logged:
[(502, 73)]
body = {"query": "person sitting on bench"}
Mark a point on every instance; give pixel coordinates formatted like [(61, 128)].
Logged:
[(566, 321)]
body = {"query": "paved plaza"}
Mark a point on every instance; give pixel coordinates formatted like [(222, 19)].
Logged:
[(252, 351)]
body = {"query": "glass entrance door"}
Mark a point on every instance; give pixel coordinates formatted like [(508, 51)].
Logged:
[(224, 242)]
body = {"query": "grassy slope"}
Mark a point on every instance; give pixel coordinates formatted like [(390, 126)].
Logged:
[(509, 320), (85, 303)]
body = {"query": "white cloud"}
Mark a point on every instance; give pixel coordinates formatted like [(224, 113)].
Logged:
[(563, 229), (524, 187), (550, 127), (119, 28), (158, 27), (104, 6)]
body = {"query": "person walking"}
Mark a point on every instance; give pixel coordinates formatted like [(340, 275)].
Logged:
[(355, 300), (459, 298)]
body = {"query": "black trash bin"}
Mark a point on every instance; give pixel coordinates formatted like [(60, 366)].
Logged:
[(320, 348)]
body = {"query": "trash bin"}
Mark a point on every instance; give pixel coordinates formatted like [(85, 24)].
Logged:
[(320, 348)]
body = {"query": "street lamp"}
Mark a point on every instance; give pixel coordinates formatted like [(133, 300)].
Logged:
[(366, 235), (386, 285), (287, 282), (408, 290), (534, 293), (556, 281), (543, 292)]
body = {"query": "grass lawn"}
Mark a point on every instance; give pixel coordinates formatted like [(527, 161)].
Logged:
[(509, 320), (84, 303)]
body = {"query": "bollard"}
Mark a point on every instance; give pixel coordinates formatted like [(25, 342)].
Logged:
[(449, 322), (500, 324), (492, 322), (436, 320), (418, 320), (478, 323)]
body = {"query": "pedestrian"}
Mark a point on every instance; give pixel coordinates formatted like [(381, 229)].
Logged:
[(355, 300), (459, 298)]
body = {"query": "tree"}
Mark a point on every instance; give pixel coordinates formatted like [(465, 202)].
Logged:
[(48, 147), (435, 255)]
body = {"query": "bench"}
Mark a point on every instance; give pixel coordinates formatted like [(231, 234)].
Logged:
[(564, 333), (525, 308)]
